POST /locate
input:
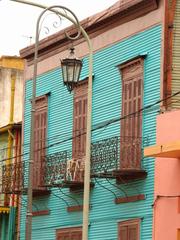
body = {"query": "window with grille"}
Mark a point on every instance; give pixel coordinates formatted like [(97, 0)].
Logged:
[(40, 128), (69, 234), (129, 230), (131, 125)]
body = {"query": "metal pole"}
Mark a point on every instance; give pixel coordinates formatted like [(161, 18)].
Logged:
[(28, 233), (89, 119), (87, 178)]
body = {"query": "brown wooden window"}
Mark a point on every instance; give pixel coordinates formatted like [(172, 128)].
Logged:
[(129, 230), (131, 126), (79, 120), (69, 234), (40, 127)]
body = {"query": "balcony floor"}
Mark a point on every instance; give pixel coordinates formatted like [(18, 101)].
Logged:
[(122, 175), (73, 185), (127, 175)]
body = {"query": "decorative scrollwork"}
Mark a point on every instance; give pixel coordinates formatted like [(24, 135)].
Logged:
[(104, 155), (55, 24), (55, 168), (63, 13)]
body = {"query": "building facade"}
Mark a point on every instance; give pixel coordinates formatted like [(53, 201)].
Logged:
[(128, 41), (11, 96), (167, 148)]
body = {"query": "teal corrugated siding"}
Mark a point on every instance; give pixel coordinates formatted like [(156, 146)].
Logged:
[(104, 214)]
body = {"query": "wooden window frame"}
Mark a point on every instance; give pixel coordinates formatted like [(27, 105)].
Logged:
[(132, 75), (41, 104), (81, 91), (129, 223), (69, 230)]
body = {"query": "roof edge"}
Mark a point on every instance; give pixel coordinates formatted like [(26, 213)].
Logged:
[(121, 9)]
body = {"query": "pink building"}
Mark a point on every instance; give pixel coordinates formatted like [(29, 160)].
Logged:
[(166, 222)]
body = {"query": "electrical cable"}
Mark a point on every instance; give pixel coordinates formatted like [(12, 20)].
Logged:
[(103, 124), (60, 135)]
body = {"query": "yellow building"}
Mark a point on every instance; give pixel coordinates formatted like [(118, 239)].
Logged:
[(11, 101)]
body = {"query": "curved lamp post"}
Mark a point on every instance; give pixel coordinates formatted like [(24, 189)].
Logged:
[(75, 21)]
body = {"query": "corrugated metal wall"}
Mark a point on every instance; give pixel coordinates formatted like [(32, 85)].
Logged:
[(176, 58), (104, 214)]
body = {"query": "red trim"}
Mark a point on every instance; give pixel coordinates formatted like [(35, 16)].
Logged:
[(40, 213), (75, 208), (130, 199)]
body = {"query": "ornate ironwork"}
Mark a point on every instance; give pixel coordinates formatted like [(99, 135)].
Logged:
[(12, 177), (61, 168), (105, 155), (115, 153), (55, 168), (106, 158)]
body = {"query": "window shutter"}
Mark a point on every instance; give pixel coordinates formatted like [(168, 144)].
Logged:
[(63, 236), (133, 232), (129, 230), (131, 127), (76, 236), (80, 118), (123, 233), (69, 234), (40, 128)]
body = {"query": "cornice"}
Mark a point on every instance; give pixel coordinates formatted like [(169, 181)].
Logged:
[(117, 14)]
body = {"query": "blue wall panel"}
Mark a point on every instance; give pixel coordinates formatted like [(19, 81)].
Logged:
[(104, 214)]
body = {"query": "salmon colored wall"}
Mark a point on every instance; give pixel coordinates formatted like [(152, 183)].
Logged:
[(167, 181)]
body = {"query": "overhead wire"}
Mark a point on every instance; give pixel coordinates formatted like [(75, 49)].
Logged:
[(99, 126), (129, 115)]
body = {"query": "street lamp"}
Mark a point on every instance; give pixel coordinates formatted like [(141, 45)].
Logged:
[(71, 70), (75, 21)]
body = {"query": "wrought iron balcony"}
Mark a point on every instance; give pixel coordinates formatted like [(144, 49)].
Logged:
[(12, 178), (61, 170), (118, 157), (115, 157)]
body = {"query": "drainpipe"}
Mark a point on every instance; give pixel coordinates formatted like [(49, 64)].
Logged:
[(11, 225)]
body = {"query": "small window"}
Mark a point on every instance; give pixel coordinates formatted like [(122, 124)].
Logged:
[(129, 230), (69, 234)]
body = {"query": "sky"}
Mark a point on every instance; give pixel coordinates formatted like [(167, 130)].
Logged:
[(18, 21)]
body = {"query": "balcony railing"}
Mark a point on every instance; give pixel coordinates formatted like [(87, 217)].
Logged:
[(12, 178), (115, 157), (63, 170), (105, 156)]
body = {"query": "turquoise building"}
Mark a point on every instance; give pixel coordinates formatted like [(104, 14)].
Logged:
[(126, 92)]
